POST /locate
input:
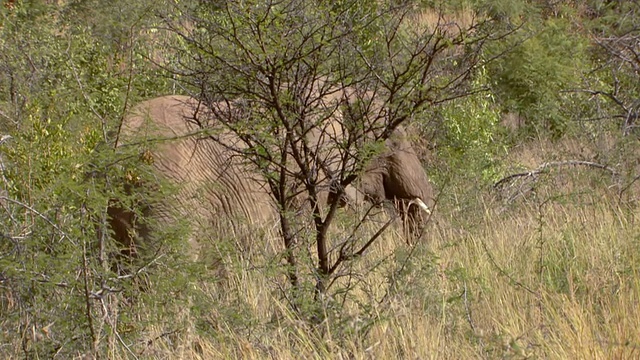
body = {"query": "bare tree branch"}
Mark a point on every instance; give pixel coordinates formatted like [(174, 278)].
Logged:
[(545, 167)]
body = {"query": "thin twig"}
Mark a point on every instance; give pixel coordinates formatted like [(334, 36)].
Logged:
[(39, 214)]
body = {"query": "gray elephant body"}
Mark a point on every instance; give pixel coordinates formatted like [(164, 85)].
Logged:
[(218, 190)]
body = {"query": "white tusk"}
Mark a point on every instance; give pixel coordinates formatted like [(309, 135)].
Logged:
[(4, 138), (421, 204)]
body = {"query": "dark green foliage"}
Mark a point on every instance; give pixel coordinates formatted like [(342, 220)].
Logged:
[(612, 85), (546, 59)]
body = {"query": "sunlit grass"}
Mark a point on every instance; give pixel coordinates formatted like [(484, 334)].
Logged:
[(553, 279), (553, 274)]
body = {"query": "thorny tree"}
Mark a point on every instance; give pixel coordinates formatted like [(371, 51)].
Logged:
[(612, 95), (612, 86), (291, 67)]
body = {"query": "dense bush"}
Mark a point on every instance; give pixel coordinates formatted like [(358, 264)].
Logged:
[(532, 268)]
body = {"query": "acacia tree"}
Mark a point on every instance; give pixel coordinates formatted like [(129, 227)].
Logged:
[(291, 67), (612, 85)]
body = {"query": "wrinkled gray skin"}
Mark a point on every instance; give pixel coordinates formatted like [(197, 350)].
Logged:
[(220, 194), (216, 191)]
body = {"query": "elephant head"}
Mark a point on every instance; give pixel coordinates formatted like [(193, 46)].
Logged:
[(397, 175)]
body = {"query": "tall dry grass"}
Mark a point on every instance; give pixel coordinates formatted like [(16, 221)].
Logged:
[(552, 274)]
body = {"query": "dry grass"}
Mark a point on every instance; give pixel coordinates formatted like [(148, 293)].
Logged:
[(553, 275), (554, 279), (449, 23)]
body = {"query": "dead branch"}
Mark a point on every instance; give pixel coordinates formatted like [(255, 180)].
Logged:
[(551, 164)]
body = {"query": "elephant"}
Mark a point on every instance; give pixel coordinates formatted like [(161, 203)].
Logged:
[(218, 190)]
